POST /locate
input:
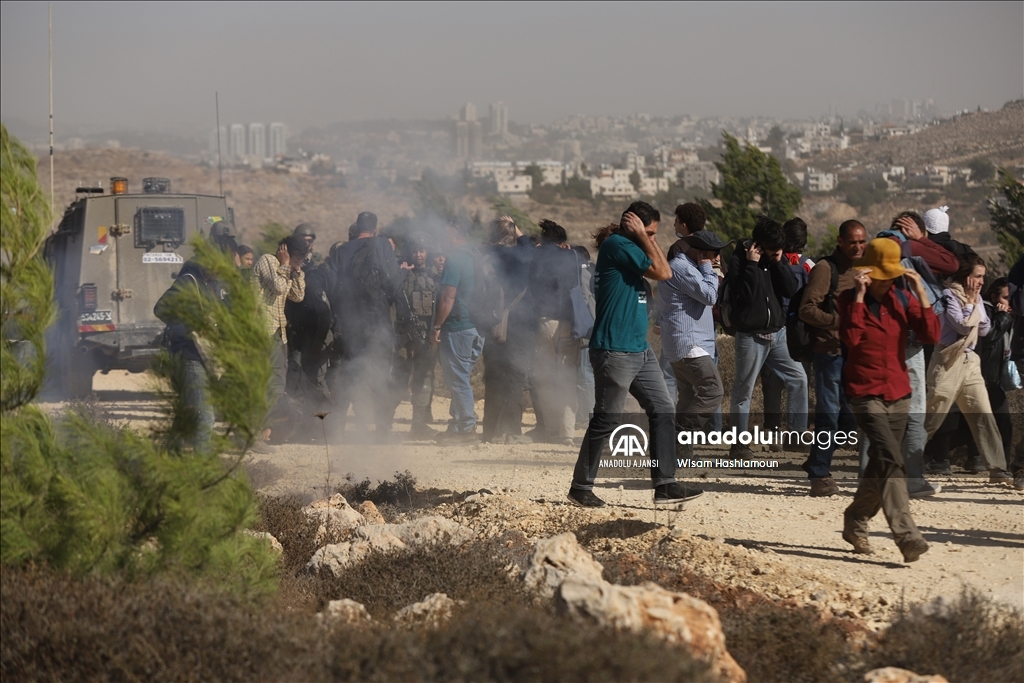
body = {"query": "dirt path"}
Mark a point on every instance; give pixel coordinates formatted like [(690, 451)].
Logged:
[(976, 530)]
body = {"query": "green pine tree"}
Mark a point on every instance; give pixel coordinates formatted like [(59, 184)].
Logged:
[(1006, 215), (88, 497), (752, 184)]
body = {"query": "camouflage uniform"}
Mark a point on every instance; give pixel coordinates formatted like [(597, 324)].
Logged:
[(415, 358)]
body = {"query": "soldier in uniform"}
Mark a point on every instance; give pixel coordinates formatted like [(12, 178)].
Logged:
[(415, 359), (309, 321)]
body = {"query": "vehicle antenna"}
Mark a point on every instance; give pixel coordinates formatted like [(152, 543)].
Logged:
[(49, 21), (220, 173)]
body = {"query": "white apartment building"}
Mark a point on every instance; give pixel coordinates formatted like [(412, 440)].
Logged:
[(498, 170), (652, 186), (613, 183), (817, 181), (258, 140), (236, 142)]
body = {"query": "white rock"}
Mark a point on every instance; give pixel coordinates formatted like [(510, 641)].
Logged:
[(433, 609), (676, 617), (346, 611), (556, 558), (334, 514), (891, 674)]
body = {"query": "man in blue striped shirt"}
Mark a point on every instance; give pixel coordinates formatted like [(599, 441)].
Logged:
[(688, 331)]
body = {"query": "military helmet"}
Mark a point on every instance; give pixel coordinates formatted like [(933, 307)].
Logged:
[(416, 241), (304, 230), (220, 229)]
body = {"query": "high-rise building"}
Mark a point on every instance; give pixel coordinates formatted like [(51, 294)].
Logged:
[(258, 140), (278, 140), (499, 119), (468, 112), (236, 143)]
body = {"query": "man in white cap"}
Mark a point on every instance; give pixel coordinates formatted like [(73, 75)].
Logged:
[(936, 223)]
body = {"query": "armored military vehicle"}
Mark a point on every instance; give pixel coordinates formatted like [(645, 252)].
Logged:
[(113, 255)]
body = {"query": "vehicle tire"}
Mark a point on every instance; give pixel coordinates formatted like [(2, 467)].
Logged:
[(78, 372)]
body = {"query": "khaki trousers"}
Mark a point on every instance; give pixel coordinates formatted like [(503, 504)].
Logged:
[(554, 376), (961, 383), (884, 484)]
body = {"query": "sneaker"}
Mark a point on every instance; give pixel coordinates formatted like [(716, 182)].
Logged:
[(912, 550), (740, 451), (585, 499), (262, 447), (825, 486), (1018, 480), (938, 467), (568, 441), (674, 492), (422, 431), (517, 439), (451, 437), (974, 466), (1000, 477), (860, 544), (923, 489)]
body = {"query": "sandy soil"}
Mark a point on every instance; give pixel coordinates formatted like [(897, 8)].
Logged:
[(976, 530)]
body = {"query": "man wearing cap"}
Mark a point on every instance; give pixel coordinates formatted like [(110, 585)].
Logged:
[(309, 321), (874, 320), (688, 331), (936, 224)]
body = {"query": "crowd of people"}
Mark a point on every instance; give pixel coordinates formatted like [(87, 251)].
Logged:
[(905, 338)]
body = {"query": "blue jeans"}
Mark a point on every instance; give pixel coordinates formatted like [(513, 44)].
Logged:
[(915, 438), (617, 374), (752, 354), (459, 353), (831, 412), (197, 403)]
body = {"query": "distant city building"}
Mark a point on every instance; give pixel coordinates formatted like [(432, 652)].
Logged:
[(499, 119), (652, 186), (497, 170), (258, 141), (613, 183), (468, 112), (278, 140), (817, 181), (700, 174), (236, 143), (520, 184)]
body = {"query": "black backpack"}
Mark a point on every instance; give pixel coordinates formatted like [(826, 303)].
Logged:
[(800, 336), (725, 307)]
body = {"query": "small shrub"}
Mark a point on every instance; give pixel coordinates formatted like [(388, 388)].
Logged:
[(972, 639), (387, 582)]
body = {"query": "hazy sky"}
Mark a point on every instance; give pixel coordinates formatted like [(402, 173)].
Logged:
[(157, 65)]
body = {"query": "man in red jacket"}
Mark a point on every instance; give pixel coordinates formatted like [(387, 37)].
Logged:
[(875, 318)]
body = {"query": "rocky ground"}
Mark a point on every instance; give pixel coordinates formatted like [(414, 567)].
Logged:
[(758, 531)]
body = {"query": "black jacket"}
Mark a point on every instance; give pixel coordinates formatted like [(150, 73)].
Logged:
[(178, 335), (991, 347), (757, 290), (943, 239)]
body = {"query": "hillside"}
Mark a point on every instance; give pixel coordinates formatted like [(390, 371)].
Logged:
[(995, 135)]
